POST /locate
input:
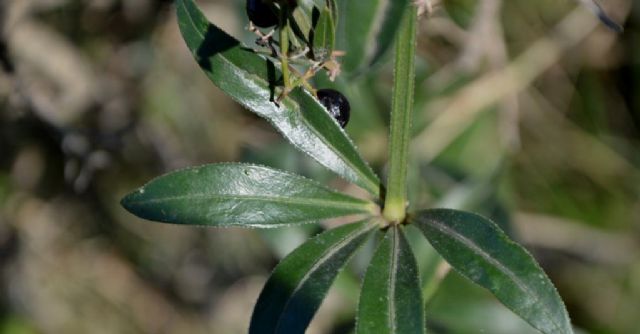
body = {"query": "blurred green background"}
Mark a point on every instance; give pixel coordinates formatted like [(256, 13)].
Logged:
[(526, 111)]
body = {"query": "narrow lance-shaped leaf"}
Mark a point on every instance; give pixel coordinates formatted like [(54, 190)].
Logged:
[(300, 23), (238, 195), (302, 16), (367, 30), (391, 297), (324, 31), (252, 80), (297, 286), (480, 251)]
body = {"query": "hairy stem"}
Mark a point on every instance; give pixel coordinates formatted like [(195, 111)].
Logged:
[(401, 117)]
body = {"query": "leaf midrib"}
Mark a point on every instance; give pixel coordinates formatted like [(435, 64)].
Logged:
[(274, 199), (392, 281), (321, 260), (372, 185), (501, 267)]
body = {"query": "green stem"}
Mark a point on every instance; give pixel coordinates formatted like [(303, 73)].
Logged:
[(284, 48), (401, 117)]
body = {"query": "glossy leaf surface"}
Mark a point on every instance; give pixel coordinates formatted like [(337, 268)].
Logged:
[(238, 195), (297, 286), (391, 297), (483, 253), (367, 30), (252, 81), (463, 307)]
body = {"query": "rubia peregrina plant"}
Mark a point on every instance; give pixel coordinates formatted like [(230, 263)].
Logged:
[(273, 81)]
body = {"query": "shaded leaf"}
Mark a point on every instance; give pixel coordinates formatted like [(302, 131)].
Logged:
[(324, 32), (301, 24), (297, 286), (367, 30), (480, 251), (391, 297), (251, 80), (238, 195), (302, 15)]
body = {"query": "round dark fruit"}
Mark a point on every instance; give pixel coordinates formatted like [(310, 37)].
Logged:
[(337, 105), (261, 13)]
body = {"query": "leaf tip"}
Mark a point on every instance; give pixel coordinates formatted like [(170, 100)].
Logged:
[(128, 202)]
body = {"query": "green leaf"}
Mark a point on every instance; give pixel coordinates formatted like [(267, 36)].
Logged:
[(463, 307), (252, 80), (480, 251), (297, 286), (301, 22), (391, 297), (324, 32), (238, 195), (367, 30)]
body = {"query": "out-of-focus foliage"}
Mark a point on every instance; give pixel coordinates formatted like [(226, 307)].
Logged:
[(527, 111)]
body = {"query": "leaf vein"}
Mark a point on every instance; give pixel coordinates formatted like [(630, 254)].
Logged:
[(319, 262), (501, 267), (371, 184), (274, 199), (392, 282)]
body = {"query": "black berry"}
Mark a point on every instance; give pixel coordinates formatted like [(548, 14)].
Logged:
[(261, 14), (336, 103)]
